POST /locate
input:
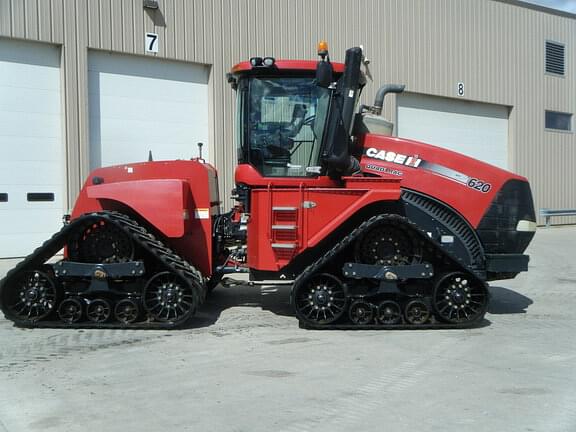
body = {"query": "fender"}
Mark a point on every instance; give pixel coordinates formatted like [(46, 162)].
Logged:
[(163, 203)]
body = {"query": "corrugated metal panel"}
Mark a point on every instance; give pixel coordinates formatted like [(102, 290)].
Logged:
[(497, 48)]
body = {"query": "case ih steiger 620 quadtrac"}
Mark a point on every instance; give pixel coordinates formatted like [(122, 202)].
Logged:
[(374, 231)]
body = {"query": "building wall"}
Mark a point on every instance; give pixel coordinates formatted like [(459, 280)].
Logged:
[(495, 47)]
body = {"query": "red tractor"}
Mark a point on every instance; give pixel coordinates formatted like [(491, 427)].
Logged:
[(373, 231)]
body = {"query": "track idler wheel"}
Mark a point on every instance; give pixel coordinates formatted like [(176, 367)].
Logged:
[(169, 298), (31, 297), (127, 311), (416, 312), (99, 311), (70, 310), (320, 300), (389, 313), (458, 298), (361, 313)]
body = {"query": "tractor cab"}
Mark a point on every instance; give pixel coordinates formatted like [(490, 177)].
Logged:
[(292, 117), (281, 116)]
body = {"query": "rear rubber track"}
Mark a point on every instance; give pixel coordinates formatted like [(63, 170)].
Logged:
[(331, 263)]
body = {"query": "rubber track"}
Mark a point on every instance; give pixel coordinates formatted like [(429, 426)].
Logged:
[(347, 241), (141, 238)]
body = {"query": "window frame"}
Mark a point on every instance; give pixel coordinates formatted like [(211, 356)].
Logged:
[(571, 115)]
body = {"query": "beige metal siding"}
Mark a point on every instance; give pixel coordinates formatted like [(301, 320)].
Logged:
[(495, 47)]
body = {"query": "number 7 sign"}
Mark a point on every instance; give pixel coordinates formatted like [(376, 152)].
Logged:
[(151, 42)]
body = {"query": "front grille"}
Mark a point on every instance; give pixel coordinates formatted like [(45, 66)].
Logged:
[(497, 229)]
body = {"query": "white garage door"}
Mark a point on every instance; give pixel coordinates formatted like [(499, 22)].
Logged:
[(139, 104), (31, 163), (475, 129)]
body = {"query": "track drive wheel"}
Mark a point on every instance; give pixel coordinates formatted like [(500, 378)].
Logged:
[(321, 300), (388, 244), (389, 313), (416, 312), (458, 298), (169, 298), (31, 297), (70, 310), (101, 242), (361, 313)]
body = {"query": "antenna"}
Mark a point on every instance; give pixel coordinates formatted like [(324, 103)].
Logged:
[(200, 150), (150, 156)]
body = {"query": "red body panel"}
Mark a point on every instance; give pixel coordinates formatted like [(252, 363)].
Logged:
[(467, 185), (177, 198), (285, 221)]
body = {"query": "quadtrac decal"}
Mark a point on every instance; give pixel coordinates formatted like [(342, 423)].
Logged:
[(385, 170), (416, 162)]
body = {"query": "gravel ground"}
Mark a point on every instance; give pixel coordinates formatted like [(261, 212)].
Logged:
[(246, 366)]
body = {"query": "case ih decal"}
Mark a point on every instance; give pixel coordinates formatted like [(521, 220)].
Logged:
[(397, 158)]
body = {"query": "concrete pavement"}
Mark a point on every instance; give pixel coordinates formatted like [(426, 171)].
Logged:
[(246, 366)]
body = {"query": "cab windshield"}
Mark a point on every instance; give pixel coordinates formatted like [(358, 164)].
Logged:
[(281, 123)]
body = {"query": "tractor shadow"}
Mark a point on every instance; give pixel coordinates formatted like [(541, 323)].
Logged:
[(505, 301), (272, 298), (276, 299)]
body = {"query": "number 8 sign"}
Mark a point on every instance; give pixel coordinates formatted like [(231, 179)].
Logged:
[(460, 89)]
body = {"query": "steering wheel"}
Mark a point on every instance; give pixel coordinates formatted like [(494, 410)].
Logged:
[(309, 121)]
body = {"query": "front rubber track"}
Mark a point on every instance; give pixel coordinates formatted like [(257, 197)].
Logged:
[(161, 255)]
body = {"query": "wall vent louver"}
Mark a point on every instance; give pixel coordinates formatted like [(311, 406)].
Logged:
[(555, 58)]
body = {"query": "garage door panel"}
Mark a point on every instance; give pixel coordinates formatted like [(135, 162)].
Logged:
[(25, 211), (23, 148), (144, 67), (110, 84), (31, 145), (30, 173), (45, 76), (475, 129), (141, 104), (150, 110), (21, 99), (122, 130), (29, 124)]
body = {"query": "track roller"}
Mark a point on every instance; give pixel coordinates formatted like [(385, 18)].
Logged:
[(70, 310), (416, 312), (127, 311), (361, 313), (389, 313), (99, 311)]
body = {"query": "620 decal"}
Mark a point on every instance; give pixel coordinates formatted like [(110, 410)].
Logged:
[(479, 185)]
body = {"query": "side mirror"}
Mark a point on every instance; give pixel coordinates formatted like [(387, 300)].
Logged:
[(324, 74)]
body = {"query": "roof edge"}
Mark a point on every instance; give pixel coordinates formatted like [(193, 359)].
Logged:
[(538, 8)]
